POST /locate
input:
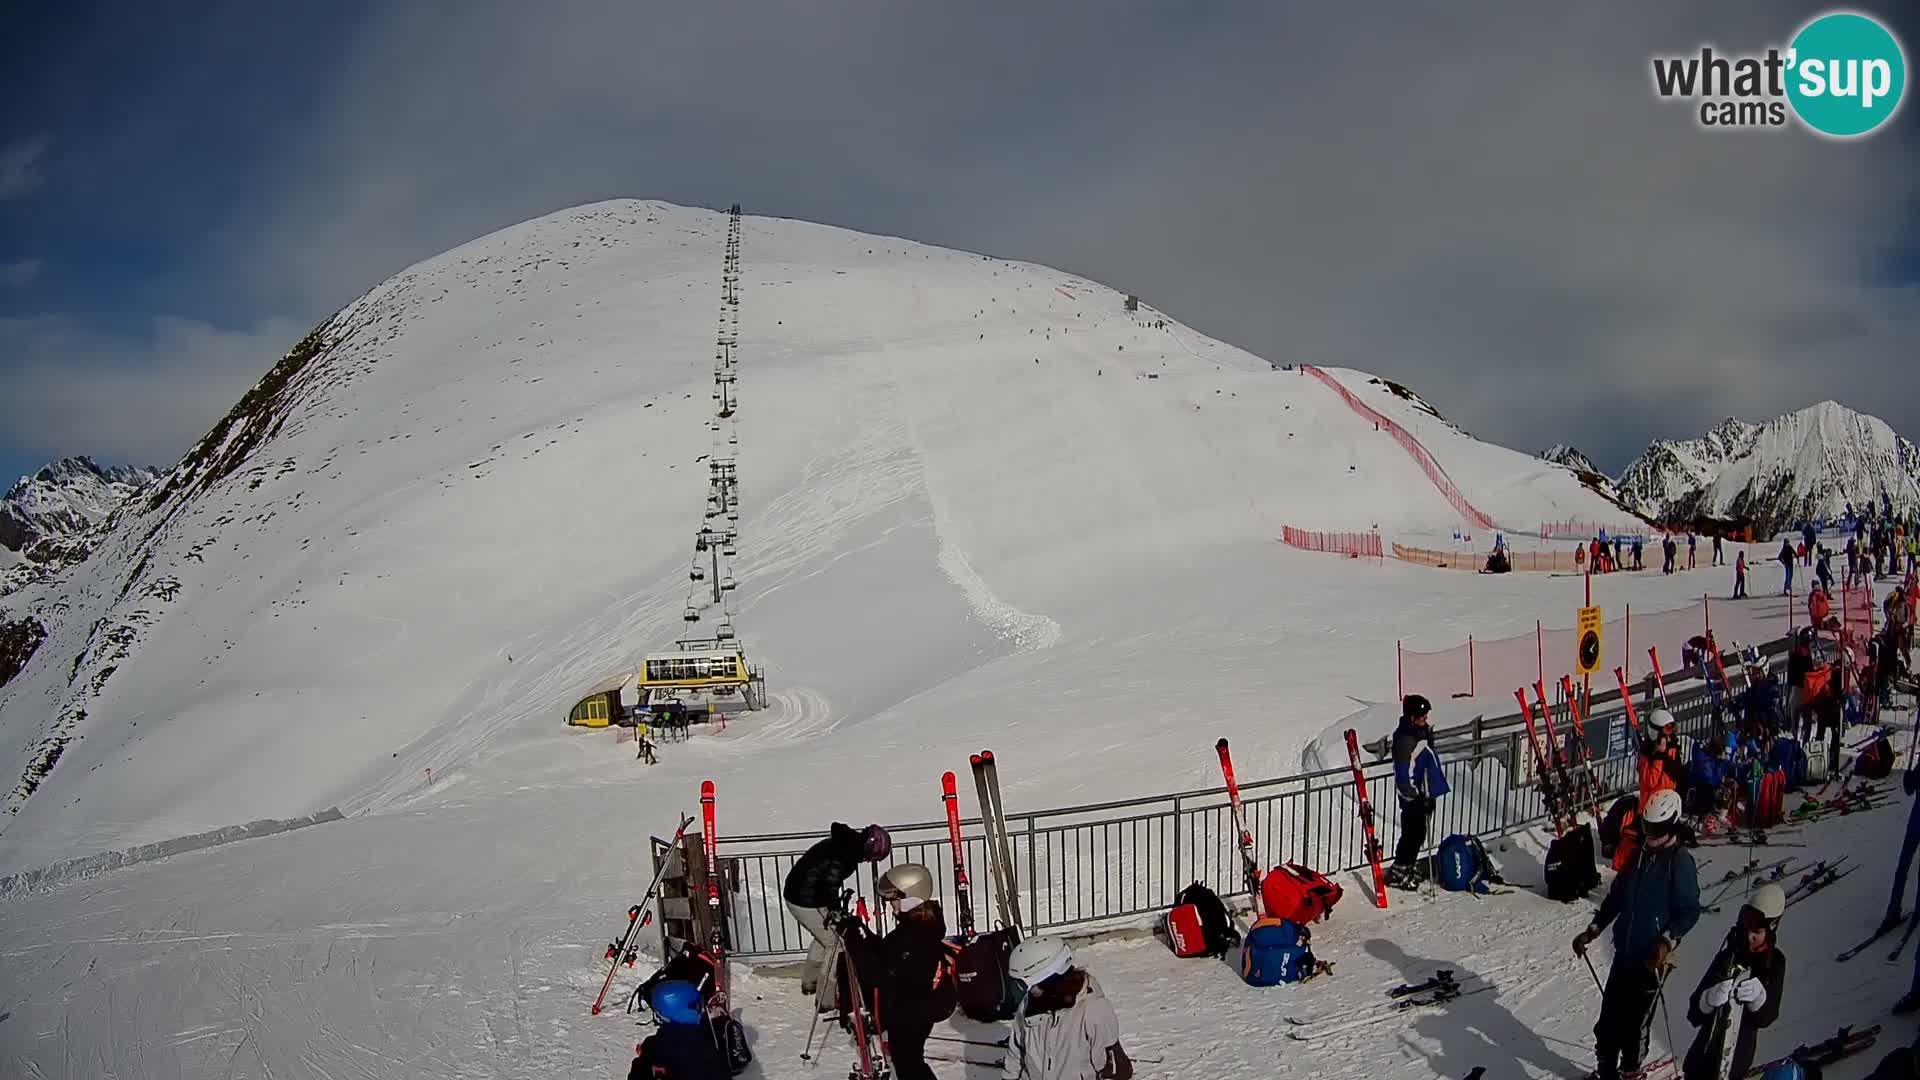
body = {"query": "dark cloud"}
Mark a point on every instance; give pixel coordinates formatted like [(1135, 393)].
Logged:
[(1491, 207)]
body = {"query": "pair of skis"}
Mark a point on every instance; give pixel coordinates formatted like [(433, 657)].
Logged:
[(963, 889), (1551, 789), (1243, 839), (1006, 883), (1912, 921), (1436, 991), (1842, 1044), (626, 948)]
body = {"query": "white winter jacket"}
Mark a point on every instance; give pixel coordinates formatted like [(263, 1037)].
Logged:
[(1067, 1044)]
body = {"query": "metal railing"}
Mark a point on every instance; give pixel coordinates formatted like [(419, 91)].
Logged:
[(1111, 863)]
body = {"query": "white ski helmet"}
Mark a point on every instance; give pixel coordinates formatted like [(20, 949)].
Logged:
[(907, 880), (1036, 960), (1769, 901), (1663, 809), (1661, 718)]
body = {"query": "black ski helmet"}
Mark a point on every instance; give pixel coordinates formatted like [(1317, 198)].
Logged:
[(1414, 706)]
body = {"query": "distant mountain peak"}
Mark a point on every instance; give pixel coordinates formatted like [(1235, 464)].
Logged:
[(1562, 454), (1811, 463), (65, 498)]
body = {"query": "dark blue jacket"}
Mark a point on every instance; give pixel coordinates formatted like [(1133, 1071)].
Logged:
[(1706, 770), (815, 878), (679, 1052), (1657, 895), (1416, 767)]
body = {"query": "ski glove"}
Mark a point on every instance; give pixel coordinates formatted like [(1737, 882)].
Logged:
[(1583, 939), (1717, 995), (1750, 993)]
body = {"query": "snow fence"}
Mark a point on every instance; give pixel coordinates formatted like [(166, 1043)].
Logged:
[(1411, 445), (1117, 863), (1354, 545)]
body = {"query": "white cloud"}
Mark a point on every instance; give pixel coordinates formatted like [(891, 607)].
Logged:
[(21, 271), (20, 172), (144, 399)]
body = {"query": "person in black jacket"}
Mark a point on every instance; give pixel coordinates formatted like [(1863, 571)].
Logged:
[(917, 990), (682, 1048), (812, 890), (1748, 974)]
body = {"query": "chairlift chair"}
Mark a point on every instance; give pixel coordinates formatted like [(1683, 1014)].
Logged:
[(727, 584), (697, 573), (692, 614), (723, 632)]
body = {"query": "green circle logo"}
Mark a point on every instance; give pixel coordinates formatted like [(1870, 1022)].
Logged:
[(1847, 74)]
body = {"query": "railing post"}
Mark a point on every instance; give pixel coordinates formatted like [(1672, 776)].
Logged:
[(1177, 878), (1033, 879)]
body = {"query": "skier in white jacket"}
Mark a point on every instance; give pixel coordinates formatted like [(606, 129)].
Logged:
[(1065, 1028)]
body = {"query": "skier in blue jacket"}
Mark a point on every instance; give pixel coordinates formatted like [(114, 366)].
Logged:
[(1651, 906), (1419, 782)]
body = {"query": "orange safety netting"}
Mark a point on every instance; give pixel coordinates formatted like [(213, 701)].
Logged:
[(1354, 545), (1410, 444), (1521, 561), (1587, 530)]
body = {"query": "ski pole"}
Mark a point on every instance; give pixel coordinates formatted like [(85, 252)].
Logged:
[(1001, 1043), (1595, 974)]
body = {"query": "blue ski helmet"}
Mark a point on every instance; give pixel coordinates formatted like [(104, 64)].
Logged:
[(676, 1002), (1785, 1070)]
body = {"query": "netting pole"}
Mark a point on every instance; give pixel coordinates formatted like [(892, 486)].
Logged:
[(1473, 687), (1708, 613), (1629, 645), (1540, 650), (1399, 671)]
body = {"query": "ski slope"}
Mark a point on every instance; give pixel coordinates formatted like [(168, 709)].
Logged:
[(982, 505)]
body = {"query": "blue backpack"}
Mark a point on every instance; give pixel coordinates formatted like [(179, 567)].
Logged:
[(1462, 865), (1275, 952)]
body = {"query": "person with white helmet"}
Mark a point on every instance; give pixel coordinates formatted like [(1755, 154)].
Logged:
[(1652, 904), (917, 990), (1065, 1028), (1747, 974)]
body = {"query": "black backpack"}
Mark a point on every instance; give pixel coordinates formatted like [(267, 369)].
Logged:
[(1571, 874), (1214, 923), (1876, 761), (984, 989), (1614, 822)]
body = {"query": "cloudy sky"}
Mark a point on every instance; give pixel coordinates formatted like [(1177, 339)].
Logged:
[(1484, 201)]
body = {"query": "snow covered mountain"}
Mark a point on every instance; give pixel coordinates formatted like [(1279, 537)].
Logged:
[(1810, 463), (1562, 454), (64, 499), (472, 493)]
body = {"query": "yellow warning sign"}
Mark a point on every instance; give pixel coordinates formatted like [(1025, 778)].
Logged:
[(1590, 625)]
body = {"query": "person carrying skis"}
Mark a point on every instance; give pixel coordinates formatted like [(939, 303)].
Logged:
[(682, 1048), (812, 890), (917, 990), (1651, 905), (1419, 782), (1065, 1028), (1748, 974)]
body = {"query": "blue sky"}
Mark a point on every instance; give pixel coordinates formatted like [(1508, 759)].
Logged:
[(1506, 221)]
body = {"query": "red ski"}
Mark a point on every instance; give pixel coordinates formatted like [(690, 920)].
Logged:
[(627, 949), (1548, 789), (1366, 821), (1627, 698), (950, 794), (1659, 680), (1244, 838), (717, 942)]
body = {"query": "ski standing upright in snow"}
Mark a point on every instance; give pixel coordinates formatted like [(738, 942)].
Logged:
[(710, 843), (963, 891), (627, 949), (1374, 850), (1249, 866)]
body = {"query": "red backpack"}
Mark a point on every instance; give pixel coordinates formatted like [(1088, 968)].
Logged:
[(1298, 894)]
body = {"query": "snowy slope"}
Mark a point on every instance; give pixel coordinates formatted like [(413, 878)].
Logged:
[(1806, 464), (969, 519), (1517, 491), (469, 496)]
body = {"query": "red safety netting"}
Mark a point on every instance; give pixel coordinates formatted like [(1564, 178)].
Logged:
[(1856, 625), (1477, 667), (1412, 446), (1354, 545)]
